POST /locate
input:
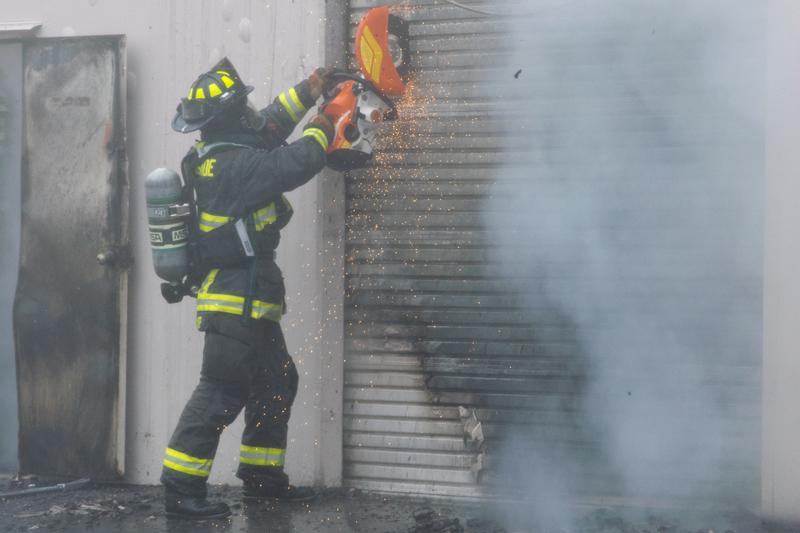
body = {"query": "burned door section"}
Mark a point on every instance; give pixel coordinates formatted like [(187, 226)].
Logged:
[(67, 309)]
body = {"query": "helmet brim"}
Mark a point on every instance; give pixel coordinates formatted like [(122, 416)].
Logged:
[(181, 125)]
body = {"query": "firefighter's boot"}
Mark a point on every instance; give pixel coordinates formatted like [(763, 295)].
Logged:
[(185, 507), (256, 492)]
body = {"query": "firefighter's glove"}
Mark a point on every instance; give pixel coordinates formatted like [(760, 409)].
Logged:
[(321, 129), (320, 81)]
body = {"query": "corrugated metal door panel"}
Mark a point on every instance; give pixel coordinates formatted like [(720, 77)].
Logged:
[(417, 255), (429, 327)]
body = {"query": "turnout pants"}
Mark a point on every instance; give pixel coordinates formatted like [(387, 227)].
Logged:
[(244, 366)]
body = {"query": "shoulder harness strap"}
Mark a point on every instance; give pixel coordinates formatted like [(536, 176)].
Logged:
[(203, 149)]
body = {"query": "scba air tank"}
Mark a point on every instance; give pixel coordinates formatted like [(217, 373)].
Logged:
[(168, 216)]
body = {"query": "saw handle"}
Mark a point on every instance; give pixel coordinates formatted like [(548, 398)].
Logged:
[(343, 75)]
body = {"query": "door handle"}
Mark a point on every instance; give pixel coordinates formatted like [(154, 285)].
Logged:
[(118, 257), (107, 258)]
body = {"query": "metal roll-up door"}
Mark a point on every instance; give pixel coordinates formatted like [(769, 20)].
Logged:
[(453, 377)]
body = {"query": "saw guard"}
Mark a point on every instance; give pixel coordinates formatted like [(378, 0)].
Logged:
[(373, 55)]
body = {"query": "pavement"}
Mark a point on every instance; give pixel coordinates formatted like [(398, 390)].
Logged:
[(139, 509)]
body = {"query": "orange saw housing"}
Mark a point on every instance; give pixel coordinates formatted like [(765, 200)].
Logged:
[(343, 109), (373, 52)]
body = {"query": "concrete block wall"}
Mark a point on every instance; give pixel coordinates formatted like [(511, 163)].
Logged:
[(273, 45)]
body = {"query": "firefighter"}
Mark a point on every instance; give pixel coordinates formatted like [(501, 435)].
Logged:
[(240, 169)]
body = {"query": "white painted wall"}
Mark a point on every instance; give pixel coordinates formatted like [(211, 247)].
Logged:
[(273, 45), (781, 407)]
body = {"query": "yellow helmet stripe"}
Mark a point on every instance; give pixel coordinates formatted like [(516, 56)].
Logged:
[(200, 94), (227, 81), (214, 90)]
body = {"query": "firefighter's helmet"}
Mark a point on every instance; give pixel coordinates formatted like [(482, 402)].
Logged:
[(211, 95)]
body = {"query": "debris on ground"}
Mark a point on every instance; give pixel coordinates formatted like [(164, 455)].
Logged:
[(606, 521), (139, 509), (31, 488), (105, 508), (484, 525), (429, 521)]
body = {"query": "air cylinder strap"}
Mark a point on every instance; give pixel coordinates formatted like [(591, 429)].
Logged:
[(252, 270)]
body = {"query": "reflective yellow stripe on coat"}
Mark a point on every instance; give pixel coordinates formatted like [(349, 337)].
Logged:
[(318, 135), (262, 218), (209, 222), (265, 217), (292, 104), (182, 462), (232, 304)]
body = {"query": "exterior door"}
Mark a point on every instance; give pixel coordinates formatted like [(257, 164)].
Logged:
[(69, 319)]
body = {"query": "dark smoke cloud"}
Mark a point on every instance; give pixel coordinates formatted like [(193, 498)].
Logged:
[(631, 204)]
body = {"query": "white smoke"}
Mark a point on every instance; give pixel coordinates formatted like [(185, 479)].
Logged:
[(631, 204)]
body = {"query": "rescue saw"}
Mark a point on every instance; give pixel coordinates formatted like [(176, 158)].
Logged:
[(361, 101)]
